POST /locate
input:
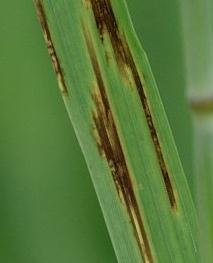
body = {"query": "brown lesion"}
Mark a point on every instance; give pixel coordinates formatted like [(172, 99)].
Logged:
[(107, 25), (109, 146), (50, 46)]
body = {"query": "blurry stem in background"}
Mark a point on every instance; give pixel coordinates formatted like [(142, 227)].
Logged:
[(117, 114), (197, 17)]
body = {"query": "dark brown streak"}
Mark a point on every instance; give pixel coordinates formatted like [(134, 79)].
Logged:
[(50, 46), (109, 145), (106, 23)]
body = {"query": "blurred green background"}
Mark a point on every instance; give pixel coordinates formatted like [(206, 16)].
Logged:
[(49, 211)]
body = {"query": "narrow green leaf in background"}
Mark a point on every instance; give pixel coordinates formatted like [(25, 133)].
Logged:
[(113, 102), (197, 21)]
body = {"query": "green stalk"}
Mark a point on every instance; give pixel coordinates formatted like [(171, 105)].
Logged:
[(113, 102), (198, 35)]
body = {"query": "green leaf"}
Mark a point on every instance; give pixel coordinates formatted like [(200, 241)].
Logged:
[(197, 30), (114, 105)]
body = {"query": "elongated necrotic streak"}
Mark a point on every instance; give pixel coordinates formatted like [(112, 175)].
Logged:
[(109, 145), (106, 23), (50, 46)]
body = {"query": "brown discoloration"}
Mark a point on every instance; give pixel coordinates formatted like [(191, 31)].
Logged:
[(107, 24), (50, 46), (202, 105), (110, 147), (153, 132)]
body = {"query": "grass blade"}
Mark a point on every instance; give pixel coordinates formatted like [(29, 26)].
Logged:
[(115, 108), (198, 35)]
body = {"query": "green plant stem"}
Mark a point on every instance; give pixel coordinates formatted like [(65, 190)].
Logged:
[(198, 36), (117, 114), (203, 126)]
